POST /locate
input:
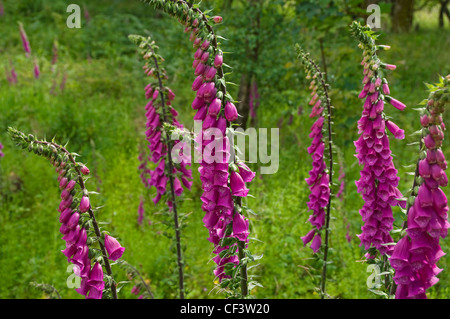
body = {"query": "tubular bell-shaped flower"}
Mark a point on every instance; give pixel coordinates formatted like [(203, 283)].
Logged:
[(379, 181), (427, 211), (223, 189), (76, 218)]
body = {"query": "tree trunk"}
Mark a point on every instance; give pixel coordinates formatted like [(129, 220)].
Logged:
[(244, 99), (402, 15), (442, 11)]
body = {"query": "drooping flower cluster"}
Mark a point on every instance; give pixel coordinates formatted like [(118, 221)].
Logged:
[(155, 133), (379, 180), (319, 180), (416, 255), (76, 216)]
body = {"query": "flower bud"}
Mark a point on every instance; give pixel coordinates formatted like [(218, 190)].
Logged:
[(214, 107), (217, 19), (205, 45), (210, 73), (84, 204), (218, 61), (84, 170)]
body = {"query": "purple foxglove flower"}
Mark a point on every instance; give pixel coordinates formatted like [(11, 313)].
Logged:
[(65, 215), (113, 247), (96, 277), (245, 172), (397, 104), (204, 58), (205, 45), (200, 69), (308, 237), (177, 187), (198, 54), (70, 250), (197, 83), (218, 61), (210, 73), (395, 130), (385, 88), (63, 182), (135, 290), (237, 185), (400, 255), (65, 194), (201, 113), (240, 227), (70, 185), (84, 204), (214, 107), (429, 141), (316, 243), (390, 66), (195, 64), (73, 220), (84, 288), (231, 113), (95, 294), (170, 95)]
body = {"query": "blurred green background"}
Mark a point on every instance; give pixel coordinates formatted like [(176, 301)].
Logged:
[(93, 97)]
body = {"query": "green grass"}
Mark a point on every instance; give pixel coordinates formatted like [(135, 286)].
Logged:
[(101, 115)]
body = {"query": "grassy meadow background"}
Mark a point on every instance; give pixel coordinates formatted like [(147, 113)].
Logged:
[(99, 111)]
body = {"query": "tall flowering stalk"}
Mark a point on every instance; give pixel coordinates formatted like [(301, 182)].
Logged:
[(320, 178), (77, 219), (36, 70), (160, 144), (11, 74), (25, 42), (379, 180), (416, 255), (223, 183)]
